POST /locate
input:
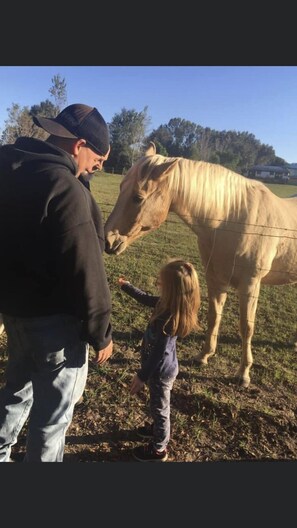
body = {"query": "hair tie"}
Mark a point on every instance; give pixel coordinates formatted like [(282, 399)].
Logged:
[(188, 266)]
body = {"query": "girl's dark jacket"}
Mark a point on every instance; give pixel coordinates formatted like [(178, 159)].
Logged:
[(158, 349), (51, 240)]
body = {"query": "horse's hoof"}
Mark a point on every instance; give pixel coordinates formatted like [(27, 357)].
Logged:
[(243, 383), (202, 362)]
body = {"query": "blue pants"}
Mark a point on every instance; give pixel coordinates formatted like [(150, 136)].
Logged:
[(45, 376), (160, 390)]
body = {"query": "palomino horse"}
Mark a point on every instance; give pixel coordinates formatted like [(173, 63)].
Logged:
[(247, 236)]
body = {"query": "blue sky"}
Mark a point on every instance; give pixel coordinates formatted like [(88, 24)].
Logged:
[(261, 100)]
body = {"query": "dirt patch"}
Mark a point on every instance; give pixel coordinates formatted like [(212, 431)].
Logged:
[(212, 418)]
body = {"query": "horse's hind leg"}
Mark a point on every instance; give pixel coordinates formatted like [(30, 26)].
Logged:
[(216, 301), (248, 301)]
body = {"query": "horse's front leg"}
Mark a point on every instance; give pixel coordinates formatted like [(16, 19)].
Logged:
[(216, 301), (248, 301)]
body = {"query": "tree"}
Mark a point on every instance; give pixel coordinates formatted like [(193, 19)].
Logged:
[(229, 160), (19, 123), (58, 91), (127, 132), (205, 144), (178, 136), (214, 158), (47, 109), (264, 156), (235, 150), (279, 161)]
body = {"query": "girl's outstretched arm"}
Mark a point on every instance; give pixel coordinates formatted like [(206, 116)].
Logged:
[(137, 294)]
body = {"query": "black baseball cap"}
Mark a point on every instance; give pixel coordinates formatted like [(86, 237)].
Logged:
[(78, 121)]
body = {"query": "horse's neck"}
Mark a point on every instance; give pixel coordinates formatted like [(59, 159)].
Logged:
[(204, 194)]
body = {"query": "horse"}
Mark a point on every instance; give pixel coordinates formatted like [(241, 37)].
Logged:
[(247, 236)]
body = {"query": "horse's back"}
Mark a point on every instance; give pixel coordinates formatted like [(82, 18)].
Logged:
[(279, 212)]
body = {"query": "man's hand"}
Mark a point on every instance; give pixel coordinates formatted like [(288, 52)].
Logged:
[(122, 280), (136, 385), (104, 354)]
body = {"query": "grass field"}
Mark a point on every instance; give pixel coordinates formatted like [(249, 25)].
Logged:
[(212, 418)]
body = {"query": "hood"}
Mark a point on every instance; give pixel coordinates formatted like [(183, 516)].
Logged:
[(29, 150)]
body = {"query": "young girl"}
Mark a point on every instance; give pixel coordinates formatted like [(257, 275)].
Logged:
[(174, 315)]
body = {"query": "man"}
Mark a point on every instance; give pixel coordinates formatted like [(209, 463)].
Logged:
[(54, 294), (85, 178)]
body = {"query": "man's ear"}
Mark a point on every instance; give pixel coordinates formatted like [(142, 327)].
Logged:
[(77, 144)]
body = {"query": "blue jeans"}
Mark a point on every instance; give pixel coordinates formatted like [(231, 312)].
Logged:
[(45, 376), (160, 389)]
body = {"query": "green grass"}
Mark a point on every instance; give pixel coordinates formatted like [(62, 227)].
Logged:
[(284, 191), (212, 418)]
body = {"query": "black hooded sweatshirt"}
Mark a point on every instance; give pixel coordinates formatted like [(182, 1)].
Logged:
[(51, 240)]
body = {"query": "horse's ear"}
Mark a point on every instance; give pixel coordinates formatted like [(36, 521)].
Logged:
[(151, 150), (163, 170)]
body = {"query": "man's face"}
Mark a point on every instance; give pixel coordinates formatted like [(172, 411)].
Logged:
[(89, 161)]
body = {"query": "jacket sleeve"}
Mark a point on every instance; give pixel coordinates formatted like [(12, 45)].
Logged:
[(77, 254), (139, 295)]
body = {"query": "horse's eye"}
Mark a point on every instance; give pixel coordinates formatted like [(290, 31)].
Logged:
[(137, 199)]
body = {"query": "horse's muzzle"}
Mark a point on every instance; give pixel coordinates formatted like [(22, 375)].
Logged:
[(114, 246)]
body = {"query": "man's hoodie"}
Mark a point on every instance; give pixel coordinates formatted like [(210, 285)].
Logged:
[(51, 240)]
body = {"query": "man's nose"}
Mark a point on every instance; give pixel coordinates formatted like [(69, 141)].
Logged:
[(99, 165)]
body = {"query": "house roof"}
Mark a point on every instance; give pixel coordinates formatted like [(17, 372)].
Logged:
[(269, 168)]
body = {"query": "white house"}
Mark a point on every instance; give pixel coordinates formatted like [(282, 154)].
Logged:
[(270, 173), (293, 169)]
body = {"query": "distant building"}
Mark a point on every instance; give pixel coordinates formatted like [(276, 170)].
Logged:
[(269, 173), (293, 169)]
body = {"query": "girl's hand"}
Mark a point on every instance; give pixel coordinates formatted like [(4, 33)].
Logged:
[(122, 280), (136, 385)]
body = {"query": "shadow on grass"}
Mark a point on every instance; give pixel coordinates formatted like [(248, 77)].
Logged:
[(236, 340), (99, 456), (94, 453), (116, 452), (122, 435), (134, 335)]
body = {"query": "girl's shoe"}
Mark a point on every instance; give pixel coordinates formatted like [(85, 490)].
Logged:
[(147, 453)]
